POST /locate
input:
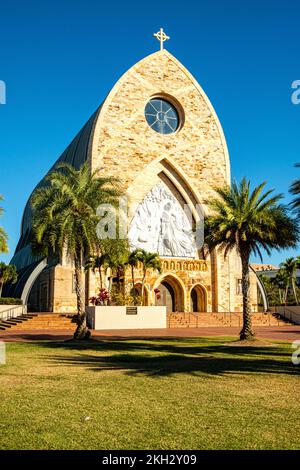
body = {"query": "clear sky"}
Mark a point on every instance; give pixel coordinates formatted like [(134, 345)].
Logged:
[(59, 60)]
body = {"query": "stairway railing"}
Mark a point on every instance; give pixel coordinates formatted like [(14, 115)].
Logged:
[(288, 314), (234, 319), (13, 312)]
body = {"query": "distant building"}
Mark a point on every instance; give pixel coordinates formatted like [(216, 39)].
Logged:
[(264, 267), (270, 270)]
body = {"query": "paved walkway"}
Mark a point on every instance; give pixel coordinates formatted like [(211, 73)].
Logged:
[(280, 333)]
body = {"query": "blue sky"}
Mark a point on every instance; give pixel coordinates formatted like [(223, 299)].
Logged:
[(60, 59)]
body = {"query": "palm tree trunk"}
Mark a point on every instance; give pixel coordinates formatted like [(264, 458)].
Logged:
[(246, 332), (133, 284), (100, 275), (110, 285), (1, 287), (82, 332), (294, 291), (143, 285), (119, 279), (286, 293), (280, 296)]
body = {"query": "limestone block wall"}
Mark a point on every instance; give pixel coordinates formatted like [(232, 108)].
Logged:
[(64, 299), (229, 298), (183, 275), (124, 144)]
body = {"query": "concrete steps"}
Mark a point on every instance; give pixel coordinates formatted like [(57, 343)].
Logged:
[(58, 321), (12, 322), (40, 321)]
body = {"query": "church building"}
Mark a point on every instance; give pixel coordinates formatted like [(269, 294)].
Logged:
[(158, 133)]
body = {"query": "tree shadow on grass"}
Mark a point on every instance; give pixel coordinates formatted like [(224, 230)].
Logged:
[(183, 346), (167, 358)]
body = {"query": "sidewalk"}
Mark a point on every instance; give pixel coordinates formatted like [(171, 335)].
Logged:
[(280, 333)]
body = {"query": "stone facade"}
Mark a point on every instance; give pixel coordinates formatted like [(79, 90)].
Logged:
[(191, 162)]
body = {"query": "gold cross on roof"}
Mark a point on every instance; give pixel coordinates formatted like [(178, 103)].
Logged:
[(161, 37)]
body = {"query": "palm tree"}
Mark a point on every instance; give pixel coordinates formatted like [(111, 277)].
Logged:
[(3, 234), (98, 262), (269, 288), (116, 253), (149, 261), (248, 222), (289, 267), (133, 261), (295, 190), (281, 282), (64, 220), (8, 273)]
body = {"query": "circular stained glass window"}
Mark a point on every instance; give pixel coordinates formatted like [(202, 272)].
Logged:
[(161, 116)]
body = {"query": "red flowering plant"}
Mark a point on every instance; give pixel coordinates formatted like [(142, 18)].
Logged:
[(101, 299)]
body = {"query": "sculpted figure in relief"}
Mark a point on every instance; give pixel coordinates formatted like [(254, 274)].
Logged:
[(160, 225)]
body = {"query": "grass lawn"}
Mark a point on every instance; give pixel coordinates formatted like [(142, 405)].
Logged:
[(149, 394)]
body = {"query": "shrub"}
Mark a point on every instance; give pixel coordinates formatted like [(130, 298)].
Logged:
[(101, 299), (119, 298), (10, 301)]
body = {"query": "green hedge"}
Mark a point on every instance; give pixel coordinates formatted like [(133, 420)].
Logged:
[(10, 301)]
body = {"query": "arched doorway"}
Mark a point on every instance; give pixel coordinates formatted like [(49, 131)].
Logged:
[(166, 296), (198, 299), (171, 294)]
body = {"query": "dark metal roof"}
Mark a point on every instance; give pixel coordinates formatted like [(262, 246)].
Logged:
[(75, 154), (15, 290)]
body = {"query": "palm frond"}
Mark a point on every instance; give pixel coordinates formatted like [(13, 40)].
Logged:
[(247, 220)]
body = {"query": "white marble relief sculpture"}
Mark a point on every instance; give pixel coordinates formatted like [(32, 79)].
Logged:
[(160, 225)]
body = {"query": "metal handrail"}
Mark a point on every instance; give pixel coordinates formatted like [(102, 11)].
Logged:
[(13, 312), (293, 316), (226, 316)]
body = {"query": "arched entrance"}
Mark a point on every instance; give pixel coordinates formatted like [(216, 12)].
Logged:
[(198, 299), (171, 294), (167, 296)]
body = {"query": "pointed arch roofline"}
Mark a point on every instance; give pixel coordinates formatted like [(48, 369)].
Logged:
[(119, 83)]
